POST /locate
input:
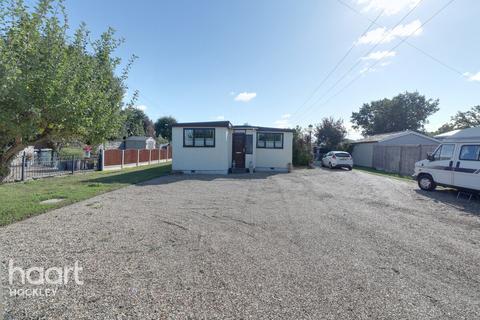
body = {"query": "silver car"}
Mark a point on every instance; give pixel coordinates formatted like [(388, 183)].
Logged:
[(338, 159)]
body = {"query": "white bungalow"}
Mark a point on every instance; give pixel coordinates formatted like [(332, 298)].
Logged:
[(220, 148)]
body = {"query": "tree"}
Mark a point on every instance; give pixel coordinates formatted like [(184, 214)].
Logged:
[(163, 127), (54, 87), (136, 123), (444, 128), (467, 119), (406, 111), (330, 133), (301, 147)]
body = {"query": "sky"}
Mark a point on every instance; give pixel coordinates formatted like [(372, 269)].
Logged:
[(271, 62)]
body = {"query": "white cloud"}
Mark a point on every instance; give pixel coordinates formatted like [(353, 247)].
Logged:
[(390, 7), (379, 55), (384, 35), (141, 107), (220, 118), (282, 123), (245, 96), (286, 116), (472, 76)]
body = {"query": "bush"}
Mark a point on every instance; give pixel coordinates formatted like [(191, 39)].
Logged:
[(69, 152)]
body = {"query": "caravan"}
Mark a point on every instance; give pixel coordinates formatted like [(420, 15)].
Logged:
[(455, 163)]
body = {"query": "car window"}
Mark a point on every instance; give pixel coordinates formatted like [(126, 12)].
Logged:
[(470, 153), (444, 152), (342, 154)]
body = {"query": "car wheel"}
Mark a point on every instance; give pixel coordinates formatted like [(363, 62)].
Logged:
[(425, 182), (330, 165), (350, 168)]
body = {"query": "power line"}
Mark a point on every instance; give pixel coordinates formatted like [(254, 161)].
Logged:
[(393, 48), (407, 42), (373, 22), (366, 54)]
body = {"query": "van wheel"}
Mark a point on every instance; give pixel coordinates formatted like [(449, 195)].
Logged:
[(425, 182)]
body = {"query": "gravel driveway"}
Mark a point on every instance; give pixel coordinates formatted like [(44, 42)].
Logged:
[(313, 244)]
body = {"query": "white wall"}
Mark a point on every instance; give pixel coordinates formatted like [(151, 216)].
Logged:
[(278, 159), (202, 160), (363, 154)]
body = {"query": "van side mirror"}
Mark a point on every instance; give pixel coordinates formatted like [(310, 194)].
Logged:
[(430, 157)]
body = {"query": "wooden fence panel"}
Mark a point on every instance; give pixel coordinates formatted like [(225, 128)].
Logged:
[(144, 155), (131, 156), (113, 157), (163, 154), (155, 154)]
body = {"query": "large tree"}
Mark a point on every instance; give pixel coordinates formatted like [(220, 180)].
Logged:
[(136, 123), (467, 119), (163, 127), (52, 86), (330, 133), (406, 111)]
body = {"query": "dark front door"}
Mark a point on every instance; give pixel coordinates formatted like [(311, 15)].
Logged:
[(239, 150)]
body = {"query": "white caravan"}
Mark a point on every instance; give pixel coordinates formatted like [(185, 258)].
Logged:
[(455, 163)]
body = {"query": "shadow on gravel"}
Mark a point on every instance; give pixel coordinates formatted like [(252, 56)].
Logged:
[(449, 197), (173, 178)]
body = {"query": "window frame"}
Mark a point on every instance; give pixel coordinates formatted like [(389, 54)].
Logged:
[(204, 139), (468, 145), (439, 152), (273, 133)]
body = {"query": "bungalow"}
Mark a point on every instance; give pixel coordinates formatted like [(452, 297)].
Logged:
[(220, 148)]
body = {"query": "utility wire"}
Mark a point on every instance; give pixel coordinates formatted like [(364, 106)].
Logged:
[(407, 42), (373, 22), (364, 55), (378, 61)]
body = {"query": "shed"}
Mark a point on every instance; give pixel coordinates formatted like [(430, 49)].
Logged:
[(139, 142), (363, 149)]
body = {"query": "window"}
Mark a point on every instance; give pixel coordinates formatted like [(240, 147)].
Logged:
[(249, 144), (199, 137), (444, 152), (270, 140), (470, 153)]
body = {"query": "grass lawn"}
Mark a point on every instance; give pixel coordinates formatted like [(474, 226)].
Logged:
[(21, 200), (383, 173)]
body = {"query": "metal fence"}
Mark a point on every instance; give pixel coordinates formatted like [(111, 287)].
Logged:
[(37, 166), (400, 159)]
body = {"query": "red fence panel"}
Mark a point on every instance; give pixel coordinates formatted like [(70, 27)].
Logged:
[(169, 152), (131, 156), (113, 157), (163, 154), (144, 155), (155, 154)]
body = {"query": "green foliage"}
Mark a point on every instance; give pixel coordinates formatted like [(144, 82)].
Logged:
[(407, 111), (301, 147), (467, 119), (163, 127), (330, 133), (136, 123), (53, 87), (69, 152), (462, 120)]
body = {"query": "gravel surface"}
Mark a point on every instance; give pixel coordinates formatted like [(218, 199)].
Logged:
[(313, 244)]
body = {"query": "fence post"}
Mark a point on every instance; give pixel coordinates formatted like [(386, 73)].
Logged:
[(23, 166), (102, 164), (123, 159), (138, 157), (159, 154)]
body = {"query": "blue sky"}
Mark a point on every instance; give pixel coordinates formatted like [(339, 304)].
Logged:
[(259, 61)]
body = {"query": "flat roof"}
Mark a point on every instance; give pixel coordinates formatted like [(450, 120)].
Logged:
[(216, 124), (227, 124)]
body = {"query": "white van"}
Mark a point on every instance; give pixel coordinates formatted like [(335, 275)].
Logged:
[(455, 163)]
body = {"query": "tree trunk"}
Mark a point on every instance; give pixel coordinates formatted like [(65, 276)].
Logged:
[(7, 158)]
